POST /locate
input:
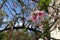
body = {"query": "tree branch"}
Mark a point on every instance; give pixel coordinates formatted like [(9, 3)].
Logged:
[(20, 28), (3, 4)]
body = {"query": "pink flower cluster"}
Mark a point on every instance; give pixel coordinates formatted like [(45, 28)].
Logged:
[(36, 15)]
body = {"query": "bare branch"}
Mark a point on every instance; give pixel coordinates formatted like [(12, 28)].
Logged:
[(3, 4)]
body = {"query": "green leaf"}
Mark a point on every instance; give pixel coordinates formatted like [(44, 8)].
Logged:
[(47, 2), (43, 4)]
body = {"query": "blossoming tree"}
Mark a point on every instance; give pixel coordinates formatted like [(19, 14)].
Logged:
[(33, 16)]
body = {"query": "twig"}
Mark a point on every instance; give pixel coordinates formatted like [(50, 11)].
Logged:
[(20, 28), (3, 4)]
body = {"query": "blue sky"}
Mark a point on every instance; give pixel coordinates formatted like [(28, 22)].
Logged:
[(8, 6)]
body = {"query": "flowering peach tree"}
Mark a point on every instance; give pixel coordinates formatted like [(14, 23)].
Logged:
[(29, 15)]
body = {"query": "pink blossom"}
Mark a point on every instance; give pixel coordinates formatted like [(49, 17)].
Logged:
[(36, 15), (34, 18), (37, 11), (40, 14)]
